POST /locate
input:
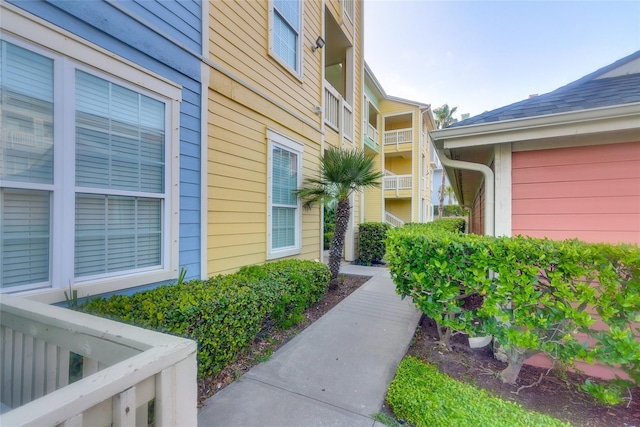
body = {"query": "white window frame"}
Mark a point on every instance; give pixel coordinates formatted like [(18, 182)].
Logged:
[(70, 53), (297, 71), (276, 139)]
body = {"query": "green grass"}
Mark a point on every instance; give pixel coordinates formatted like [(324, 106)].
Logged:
[(424, 397)]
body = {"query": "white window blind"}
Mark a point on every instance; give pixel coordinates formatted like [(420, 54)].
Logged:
[(25, 234), (119, 137), (119, 146), (26, 159), (116, 233), (114, 174), (284, 202), (26, 126), (286, 31)]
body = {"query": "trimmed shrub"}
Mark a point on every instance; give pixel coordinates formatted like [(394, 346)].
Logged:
[(305, 282), (223, 313), (424, 397), (372, 248), (328, 238), (536, 294)]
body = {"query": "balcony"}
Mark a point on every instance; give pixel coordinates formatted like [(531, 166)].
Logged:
[(371, 137), (398, 140), (397, 186), (338, 114), (122, 370)]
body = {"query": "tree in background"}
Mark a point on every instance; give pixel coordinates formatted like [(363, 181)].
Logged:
[(444, 118), (342, 172)]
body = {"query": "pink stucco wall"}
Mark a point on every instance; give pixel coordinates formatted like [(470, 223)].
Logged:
[(590, 193)]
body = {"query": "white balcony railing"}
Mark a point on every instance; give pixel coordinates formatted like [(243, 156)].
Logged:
[(332, 107), (122, 368), (396, 137), (393, 220), (397, 182), (349, 7), (347, 121), (372, 133), (338, 114)]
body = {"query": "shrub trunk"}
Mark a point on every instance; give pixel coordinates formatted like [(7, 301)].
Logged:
[(515, 358)]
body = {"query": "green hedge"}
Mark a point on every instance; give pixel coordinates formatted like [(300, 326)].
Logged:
[(328, 237), (538, 294), (372, 235), (425, 397), (223, 313)]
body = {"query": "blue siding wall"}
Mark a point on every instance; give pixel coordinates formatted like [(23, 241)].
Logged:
[(160, 44)]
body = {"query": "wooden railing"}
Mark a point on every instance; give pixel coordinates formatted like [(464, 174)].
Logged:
[(347, 121), (393, 220), (372, 133), (338, 114), (349, 7), (118, 370), (331, 107), (397, 182), (396, 137)]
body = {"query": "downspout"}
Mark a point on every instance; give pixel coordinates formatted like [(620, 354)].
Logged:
[(489, 196)]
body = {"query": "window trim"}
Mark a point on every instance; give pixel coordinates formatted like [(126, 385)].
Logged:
[(298, 71), (276, 139), (35, 34)]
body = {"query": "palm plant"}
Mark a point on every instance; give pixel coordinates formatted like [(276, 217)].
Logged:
[(342, 173), (444, 117)]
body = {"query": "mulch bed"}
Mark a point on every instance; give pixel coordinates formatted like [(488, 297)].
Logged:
[(556, 393)]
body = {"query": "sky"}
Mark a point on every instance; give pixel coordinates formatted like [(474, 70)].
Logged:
[(482, 55)]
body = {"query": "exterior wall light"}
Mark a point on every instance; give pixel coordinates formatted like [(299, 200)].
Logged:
[(319, 44)]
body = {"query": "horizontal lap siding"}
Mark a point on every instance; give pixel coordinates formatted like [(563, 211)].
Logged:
[(237, 187), (103, 24), (240, 44), (238, 120), (591, 193)]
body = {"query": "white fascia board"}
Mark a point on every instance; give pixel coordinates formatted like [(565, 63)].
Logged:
[(619, 117)]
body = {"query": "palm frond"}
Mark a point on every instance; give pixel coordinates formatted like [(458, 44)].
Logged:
[(342, 172)]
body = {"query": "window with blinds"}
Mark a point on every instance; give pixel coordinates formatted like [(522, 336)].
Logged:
[(285, 32), (284, 209), (26, 166), (109, 173)]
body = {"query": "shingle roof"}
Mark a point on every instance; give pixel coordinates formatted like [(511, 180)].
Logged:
[(585, 93)]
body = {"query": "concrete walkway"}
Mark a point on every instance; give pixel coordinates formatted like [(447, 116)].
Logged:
[(334, 373)]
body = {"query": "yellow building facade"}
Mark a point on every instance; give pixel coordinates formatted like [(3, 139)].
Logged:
[(284, 80), (397, 134)]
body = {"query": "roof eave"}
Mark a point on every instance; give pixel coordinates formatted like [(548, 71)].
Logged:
[(617, 117)]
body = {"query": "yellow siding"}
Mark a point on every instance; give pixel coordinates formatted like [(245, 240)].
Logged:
[(239, 42), (399, 208), (398, 165), (237, 186), (250, 92)]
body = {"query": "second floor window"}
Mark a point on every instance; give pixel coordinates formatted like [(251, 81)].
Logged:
[(286, 18)]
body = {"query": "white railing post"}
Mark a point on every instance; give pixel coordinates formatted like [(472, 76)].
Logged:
[(124, 408), (347, 121), (393, 220), (332, 111), (124, 368)]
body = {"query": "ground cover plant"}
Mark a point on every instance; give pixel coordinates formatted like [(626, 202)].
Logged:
[(533, 295), (424, 397), (556, 392)]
